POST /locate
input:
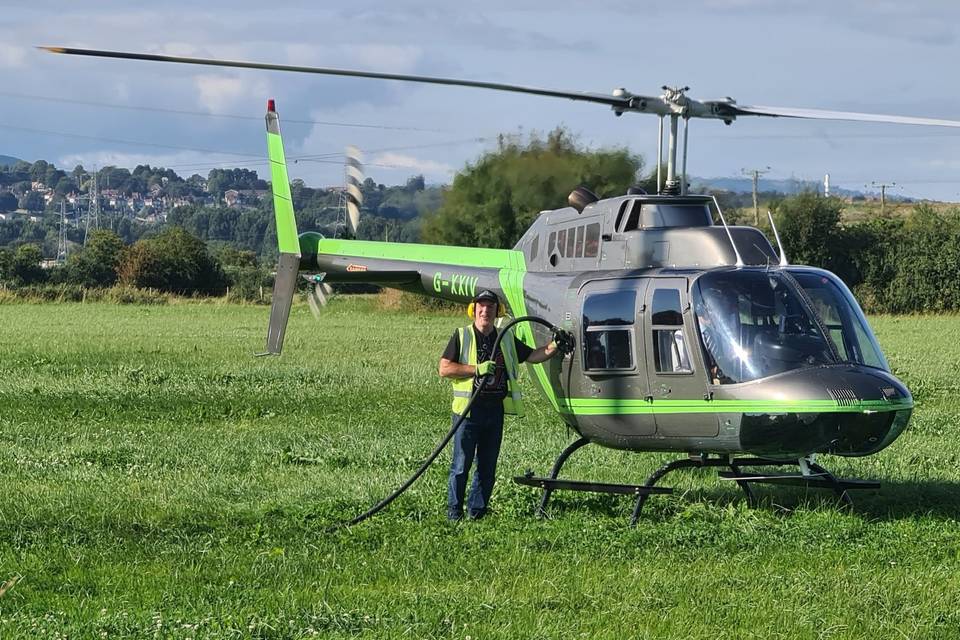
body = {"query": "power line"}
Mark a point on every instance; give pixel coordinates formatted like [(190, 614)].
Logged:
[(120, 141), (204, 114)]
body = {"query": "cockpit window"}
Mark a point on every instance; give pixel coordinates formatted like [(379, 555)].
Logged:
[(755, 324), (841, 317)]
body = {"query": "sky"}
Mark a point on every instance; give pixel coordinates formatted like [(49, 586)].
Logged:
[(874, 56)]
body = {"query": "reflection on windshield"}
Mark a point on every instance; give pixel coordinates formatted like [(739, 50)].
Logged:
[(754, 324)]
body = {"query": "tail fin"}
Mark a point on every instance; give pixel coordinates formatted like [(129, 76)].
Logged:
[(288, 265)]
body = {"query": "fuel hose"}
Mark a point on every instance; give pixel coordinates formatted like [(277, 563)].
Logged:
[(443, 443)]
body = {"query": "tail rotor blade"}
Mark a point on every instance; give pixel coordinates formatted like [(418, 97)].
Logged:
[(284, 288), (285, 284), (355, 178), (317, 297)]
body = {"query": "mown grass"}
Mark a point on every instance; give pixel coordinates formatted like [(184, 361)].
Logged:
[(159, 481)]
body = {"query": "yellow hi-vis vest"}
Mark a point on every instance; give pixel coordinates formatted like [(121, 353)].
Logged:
[(463, 387)]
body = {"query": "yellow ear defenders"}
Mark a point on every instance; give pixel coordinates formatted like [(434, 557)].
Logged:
[(472, 313)]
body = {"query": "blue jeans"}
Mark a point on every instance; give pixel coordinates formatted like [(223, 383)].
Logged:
[(478, 437)]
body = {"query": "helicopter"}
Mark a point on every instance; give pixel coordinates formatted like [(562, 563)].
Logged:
[(690, 337)]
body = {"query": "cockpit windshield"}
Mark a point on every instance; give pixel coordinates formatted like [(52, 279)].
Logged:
[(755, 324), (841, 317)]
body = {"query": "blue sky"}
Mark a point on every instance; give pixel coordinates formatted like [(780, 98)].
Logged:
[(876, 56)]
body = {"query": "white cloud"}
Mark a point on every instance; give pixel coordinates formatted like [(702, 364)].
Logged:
[(400, 161), (217, 93), (12, 56), (386, 57)]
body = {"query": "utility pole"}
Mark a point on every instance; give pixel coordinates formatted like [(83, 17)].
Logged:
[(756, 173), (883, 193)]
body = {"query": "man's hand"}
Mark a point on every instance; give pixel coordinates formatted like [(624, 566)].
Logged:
[(563, 340), (486, 368)]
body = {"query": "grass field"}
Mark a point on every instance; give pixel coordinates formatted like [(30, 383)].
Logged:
[(161, 482)]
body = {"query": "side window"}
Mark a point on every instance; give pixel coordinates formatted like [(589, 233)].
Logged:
[(670, 352), (551, 243), (633, 220), (623, 209), (571, 240), (534, 248), (561, 242), (592, 245), (578, 250), (608, 331)]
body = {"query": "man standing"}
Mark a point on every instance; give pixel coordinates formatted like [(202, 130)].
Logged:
[(469, 362)]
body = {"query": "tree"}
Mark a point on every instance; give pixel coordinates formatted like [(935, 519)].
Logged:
[(415, 183), (809, 225), (172, 261), (32, 201), (6, 265), (8, 202), (492, 202), (96, 264), (26, 267)]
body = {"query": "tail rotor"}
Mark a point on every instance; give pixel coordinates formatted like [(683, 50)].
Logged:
[(288, 264), (318, 295), (354, 180)]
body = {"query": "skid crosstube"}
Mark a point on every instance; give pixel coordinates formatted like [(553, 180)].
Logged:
[(811, 475)]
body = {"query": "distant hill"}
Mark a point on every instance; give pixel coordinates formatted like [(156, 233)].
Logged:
[(8, 160), (785, 186)]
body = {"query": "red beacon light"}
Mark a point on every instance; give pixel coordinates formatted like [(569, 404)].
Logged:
[(271, 105)]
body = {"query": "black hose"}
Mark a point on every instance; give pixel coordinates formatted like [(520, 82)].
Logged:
[(443, 443)]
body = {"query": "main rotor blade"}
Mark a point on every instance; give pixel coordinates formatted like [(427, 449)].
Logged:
[(821, 114), (613, 101)]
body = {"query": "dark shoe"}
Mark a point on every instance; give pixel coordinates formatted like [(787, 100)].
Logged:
[(454, 516), (476, 515)]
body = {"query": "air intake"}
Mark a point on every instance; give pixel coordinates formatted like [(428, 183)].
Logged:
[(844, 397)]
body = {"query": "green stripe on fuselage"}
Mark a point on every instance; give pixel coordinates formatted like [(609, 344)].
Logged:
[(282, 203), (630, 406), (432, 253)]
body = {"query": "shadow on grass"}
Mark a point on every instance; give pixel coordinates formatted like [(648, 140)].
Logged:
[(894, 500)]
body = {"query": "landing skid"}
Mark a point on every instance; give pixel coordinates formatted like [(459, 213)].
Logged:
[(810, 475)]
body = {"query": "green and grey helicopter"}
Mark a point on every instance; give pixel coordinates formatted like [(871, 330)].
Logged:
[(691, 337)]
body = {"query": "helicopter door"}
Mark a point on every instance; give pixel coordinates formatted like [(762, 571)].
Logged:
[(676, 385), (610, 371)]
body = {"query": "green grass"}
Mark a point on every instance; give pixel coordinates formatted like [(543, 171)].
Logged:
[(161, 482)]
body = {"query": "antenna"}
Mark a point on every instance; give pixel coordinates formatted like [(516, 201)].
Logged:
[(729, 235), (783, 256)]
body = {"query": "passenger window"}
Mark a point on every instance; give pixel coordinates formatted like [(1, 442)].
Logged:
[(578, 250), (670, 352), (551, 243), (561, 241), (592, 245), (534, 248), (608, 330), (571, 240)]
